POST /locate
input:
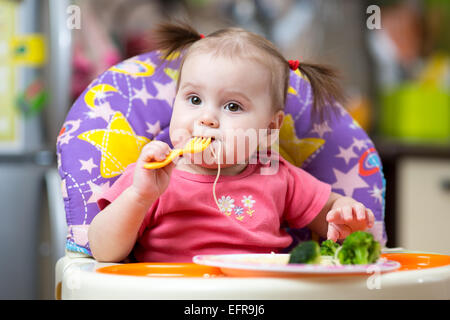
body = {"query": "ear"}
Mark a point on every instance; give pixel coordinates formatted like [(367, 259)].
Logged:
[(274, 127), (277, 120)]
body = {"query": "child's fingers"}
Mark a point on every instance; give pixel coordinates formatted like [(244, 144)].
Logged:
[(160, 145), (347, 213), (332, 233), (153, 154), (338, 231), (344, 230), (360, 211), (335, 216), (155, 150), (370, 218)]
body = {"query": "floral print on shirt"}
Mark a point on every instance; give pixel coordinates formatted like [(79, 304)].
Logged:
[(248, 203), (227, 206)]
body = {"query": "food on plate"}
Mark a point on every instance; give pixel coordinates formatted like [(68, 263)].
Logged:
[(306, 252), (358, 248), (328, 248)]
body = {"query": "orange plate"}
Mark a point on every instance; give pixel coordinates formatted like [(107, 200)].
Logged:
[(418, 261), (408, 261), (145, 269)]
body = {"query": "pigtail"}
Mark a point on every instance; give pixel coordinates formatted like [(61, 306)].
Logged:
[(325, 84), (170, 37)]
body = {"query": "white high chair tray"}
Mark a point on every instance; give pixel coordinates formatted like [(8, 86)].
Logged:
[(277, 265), (76, 278)]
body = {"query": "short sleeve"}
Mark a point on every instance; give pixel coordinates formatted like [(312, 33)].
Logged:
[(124, 181), (305, 198)]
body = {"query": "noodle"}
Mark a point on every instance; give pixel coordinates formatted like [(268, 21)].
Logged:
[(218, 172)]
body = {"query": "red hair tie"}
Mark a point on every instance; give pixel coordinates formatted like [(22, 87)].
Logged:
[(202, 35), (293, 64)]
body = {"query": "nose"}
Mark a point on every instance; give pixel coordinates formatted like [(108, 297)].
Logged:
[(209, 120)]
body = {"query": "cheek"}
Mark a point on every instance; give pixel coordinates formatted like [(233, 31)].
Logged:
[(179, 135), (180, 125)]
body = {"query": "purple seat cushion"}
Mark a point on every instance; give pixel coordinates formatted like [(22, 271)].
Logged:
[(131, 104)]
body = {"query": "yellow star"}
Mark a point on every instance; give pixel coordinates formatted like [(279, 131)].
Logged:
[(118, 144), (293, 149)]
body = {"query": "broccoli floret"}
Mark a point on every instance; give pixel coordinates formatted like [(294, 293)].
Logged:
[(374, 252), (305, 252), (328, 247), (359, 248)]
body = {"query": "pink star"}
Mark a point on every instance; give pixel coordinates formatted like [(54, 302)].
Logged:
[(101, 94), (64, 139), (349, 181), (88, 165), (346, 154), (321, 128), (360, 144), (103, 111), (166, 92), (153, 129), (80, 233), (97, 191), (377, 193), (142, 94)]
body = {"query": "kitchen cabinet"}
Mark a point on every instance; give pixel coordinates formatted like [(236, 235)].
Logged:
[(417, 213), (423, 206)]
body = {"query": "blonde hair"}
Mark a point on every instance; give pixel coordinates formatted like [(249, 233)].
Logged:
[(237, 42)]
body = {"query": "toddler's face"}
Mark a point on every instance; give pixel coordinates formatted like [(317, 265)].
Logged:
[(227, 99)]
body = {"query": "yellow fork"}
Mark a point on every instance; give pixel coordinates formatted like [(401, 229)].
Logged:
[(195, 145)]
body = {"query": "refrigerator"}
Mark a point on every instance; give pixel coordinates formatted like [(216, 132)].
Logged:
[(34, 98)]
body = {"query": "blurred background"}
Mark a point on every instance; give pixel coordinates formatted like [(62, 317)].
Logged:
[(393, 56)]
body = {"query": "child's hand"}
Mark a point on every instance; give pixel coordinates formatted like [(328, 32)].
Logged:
[(150, 183), (347, 216)]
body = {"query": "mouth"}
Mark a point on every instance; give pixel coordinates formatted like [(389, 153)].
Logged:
[(205, 137)]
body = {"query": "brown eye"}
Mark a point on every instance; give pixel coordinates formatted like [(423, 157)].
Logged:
[(195, 100), (233, 107)]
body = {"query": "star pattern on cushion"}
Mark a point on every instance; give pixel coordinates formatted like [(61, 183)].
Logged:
[(118, 144), (296, 150), (135, 97), (349, 181)]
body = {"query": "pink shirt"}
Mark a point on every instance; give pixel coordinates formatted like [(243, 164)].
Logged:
[(185, 220)]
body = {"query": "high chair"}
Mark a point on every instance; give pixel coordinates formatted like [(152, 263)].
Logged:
[(128, 106)]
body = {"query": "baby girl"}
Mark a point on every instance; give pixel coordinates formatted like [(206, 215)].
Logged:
[(231, 82)]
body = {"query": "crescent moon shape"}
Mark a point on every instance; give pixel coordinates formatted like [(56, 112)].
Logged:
[(172, 73), (148, 69), (93, 93)]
